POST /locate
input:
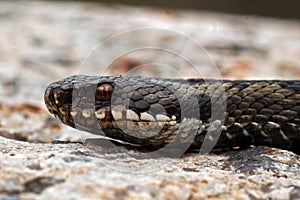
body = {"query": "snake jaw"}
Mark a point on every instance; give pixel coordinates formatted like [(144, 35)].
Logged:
[(140, 125), (59, 102)]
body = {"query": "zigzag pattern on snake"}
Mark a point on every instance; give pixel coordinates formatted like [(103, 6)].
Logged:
[(153, 112)]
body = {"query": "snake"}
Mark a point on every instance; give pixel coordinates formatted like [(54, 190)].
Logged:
[(155, 113)]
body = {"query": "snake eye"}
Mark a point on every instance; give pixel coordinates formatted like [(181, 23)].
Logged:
[(104, 91)]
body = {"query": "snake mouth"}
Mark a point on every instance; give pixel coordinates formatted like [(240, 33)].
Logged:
[(58, 101)]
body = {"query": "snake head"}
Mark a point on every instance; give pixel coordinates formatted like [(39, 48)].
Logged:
[(76, 96), (137, 110)]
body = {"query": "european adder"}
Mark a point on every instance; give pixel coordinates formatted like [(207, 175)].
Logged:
[(153, 112)]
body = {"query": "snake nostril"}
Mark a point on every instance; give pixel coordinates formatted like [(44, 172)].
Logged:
[(66, 98)]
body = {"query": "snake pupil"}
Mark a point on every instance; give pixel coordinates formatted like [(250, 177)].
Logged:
[(104, 91)]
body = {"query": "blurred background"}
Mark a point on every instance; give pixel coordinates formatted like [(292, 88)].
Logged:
[(280, 9)]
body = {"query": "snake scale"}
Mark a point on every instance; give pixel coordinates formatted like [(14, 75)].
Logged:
[(155, 112)]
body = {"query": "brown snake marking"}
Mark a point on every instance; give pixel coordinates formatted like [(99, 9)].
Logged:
[(153, 112)]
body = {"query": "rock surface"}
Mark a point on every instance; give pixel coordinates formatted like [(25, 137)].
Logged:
[(72, 171), (44, 41)]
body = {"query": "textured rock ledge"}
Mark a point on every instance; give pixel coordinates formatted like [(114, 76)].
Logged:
[(73, 171)]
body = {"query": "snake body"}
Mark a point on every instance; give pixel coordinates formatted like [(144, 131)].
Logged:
[(154, 113)]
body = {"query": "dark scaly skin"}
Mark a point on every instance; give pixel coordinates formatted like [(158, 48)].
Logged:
[(256, 112)]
